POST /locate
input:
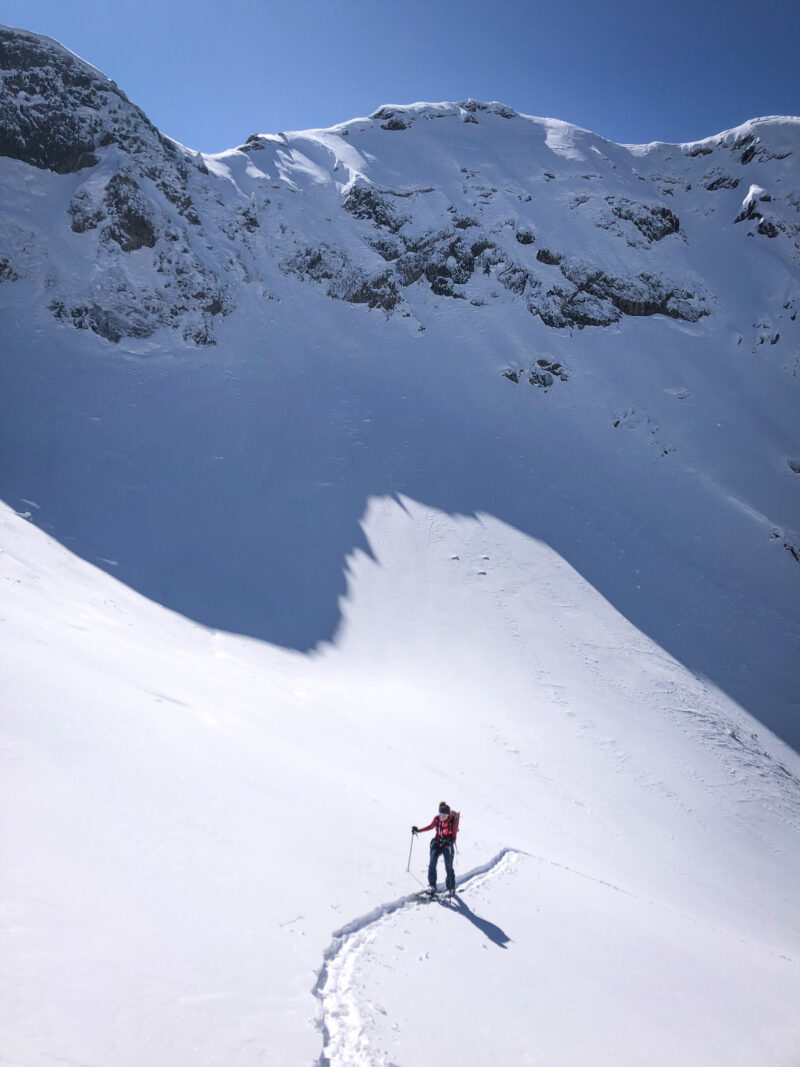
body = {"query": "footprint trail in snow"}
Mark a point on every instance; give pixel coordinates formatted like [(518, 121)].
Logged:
[(345, 1042)]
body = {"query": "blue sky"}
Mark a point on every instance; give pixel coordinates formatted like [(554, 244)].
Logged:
[(210, 73)]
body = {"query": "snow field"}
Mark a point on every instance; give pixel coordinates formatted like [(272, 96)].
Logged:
[(255, 800), (562, 969)]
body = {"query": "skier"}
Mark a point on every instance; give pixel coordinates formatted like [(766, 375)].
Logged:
[(446, 826)]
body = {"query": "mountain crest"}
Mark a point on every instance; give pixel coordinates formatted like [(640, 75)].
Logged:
[(396, 212)]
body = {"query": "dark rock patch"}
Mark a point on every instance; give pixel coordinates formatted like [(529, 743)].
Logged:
[(442, 285), (7, 272), (597, 298), (541, 378), (514, 279), (254, 143), (86, 215), (720, 181), (655, 222), (380, 291), (410, 267), (105, 322), (553, 367), (386, 248), (391, 119), (448, 256), (131, 224), (56, 112), (743, 141), (749, 211), (543, 374), (317, 264), (246, 218), (748, 154), (363, 202), (346, 282), (552, 259)]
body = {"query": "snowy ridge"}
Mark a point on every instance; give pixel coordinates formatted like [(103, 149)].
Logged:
[(345, 1043), (463, 201)]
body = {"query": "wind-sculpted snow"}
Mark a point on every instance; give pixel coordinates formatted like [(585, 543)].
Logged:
[(345, 1042)]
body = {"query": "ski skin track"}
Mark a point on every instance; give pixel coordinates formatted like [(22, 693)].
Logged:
[(351, 1051)]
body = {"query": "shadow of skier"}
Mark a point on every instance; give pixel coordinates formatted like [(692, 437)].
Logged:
[(495, 934)]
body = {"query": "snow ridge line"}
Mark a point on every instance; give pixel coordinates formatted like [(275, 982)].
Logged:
[(348, 1042)]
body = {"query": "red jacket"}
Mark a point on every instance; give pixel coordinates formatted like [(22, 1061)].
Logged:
[(445, 831)]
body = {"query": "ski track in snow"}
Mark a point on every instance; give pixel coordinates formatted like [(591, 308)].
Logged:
[(345, 1043)]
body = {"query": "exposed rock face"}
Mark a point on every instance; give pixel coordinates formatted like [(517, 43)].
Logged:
[(365, 203), (42, 117), (767, 224), (716, 180), (162, 237), (344, 280), (56, 111), (130, 218), (59, 114), (653, 222)]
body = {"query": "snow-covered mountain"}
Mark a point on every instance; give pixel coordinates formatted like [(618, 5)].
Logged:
[(466, 201), (486, 429)]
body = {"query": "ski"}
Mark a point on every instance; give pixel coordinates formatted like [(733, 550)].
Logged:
[(441, 896)]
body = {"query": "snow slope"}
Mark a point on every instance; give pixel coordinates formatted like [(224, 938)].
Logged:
[(449, 452), (188, 815), (358, 295)]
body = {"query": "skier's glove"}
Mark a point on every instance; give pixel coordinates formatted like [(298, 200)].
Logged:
[(414, 829)]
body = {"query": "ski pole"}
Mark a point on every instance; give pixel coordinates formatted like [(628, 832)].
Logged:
[(408, 866)]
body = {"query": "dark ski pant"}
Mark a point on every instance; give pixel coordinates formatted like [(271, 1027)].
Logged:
[(438, 850)]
